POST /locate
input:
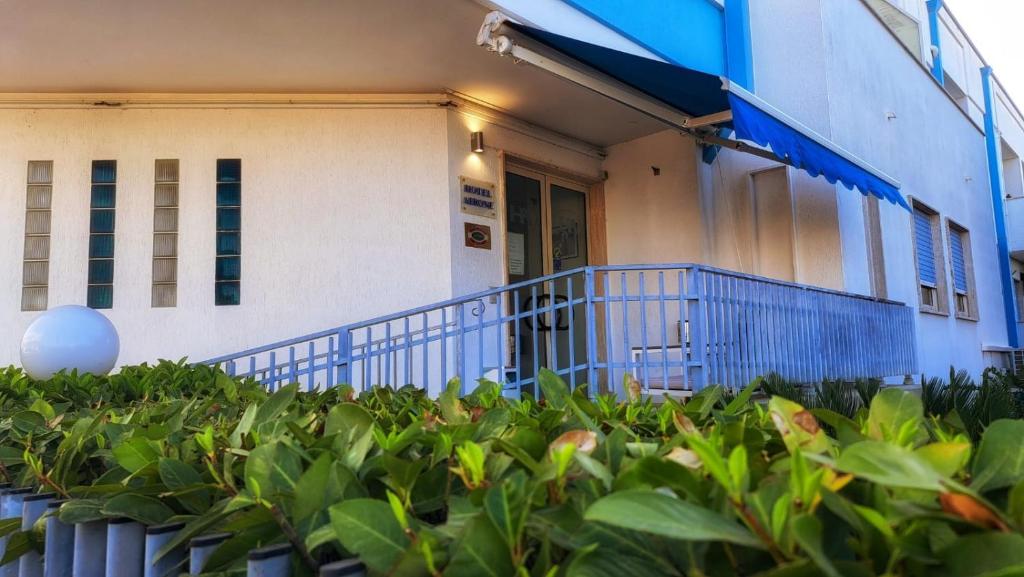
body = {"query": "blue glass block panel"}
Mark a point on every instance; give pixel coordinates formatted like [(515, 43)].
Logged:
[(228, 293), (101, 246), (101, 271), (229, 268), (229, 170), (229, 243), (229, 219), (103, 195), (104, 171), (101, 221), (229, 194), (100, 297)]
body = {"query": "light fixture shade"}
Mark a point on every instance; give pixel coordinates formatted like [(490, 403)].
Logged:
[(476, 141)]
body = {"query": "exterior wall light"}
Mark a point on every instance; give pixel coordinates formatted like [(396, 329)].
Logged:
[(476, 141)]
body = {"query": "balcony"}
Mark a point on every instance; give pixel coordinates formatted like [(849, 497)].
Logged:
[(1015, 226), (675, 328)]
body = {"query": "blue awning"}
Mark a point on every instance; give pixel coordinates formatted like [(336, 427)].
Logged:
[(699, 94)]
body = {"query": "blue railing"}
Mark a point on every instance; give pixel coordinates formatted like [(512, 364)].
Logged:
[(675, 328)]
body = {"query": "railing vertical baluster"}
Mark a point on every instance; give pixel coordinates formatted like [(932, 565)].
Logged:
[(499, 333), (201, 548), (157, 537), (683, 305), (552, 316), (368, 356), (311, 366), (698, 321), (59, 546), (344, 371), (426, 352), (273, 371), (534, 329), (292, 366), (644, 359), (590, 318), (229, 368), (89, 559), (517, 344), (571, 333), (329, 363), (444, 347), (126, 545), (388, 352), (270, 561), (609, 341), (480, 339), (711, 357), (664, 331), (627, 350), (30, 564), (460, 319), (407, 357)]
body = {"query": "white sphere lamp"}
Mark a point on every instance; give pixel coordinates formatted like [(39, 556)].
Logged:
[(69, 337)]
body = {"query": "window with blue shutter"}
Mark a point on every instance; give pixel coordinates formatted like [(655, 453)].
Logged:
[(956, 249), (925, 245)]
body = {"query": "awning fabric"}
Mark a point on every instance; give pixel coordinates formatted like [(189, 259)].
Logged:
[(697, 94), (753, 124)]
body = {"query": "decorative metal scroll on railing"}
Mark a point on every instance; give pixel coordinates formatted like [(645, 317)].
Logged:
[(676, 328)]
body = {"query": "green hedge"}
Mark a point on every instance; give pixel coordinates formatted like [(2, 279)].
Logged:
[(725, 484)]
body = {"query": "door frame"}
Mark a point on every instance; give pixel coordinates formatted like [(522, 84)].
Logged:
[(546, 174)]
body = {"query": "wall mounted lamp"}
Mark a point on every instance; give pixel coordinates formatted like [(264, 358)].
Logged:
[(476, 141)]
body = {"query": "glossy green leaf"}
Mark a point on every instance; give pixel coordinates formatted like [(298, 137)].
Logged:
[(367, 528), (653, 512)]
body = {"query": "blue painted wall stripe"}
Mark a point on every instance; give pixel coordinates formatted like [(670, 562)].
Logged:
[(738, 52), (689, 33), (933, 25), (995, 169)]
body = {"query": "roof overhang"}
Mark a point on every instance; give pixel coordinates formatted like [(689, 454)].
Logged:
[(694, 102)]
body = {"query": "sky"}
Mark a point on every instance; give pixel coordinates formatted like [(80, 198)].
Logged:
[(995, 28)]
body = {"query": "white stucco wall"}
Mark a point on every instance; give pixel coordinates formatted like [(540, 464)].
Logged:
[(887, 109), (345, 215)]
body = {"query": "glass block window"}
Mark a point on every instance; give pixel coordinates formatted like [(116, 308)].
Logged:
[(100, 292), (165, 233), (36, 266), (229, 232)]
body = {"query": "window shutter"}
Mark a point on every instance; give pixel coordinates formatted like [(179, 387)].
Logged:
[(956, 248), (925, 247)]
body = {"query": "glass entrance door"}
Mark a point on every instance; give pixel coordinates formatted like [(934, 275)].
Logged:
[(546, 220)]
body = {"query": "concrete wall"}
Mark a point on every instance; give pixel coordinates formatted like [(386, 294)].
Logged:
[(336, 207)]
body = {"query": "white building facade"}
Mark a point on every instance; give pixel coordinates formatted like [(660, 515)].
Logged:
[(223, 177)]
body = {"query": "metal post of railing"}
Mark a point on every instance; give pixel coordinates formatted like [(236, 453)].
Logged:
[(11, 506), (200, 549), (59, 545), (272, 561), (346, 568), (31, 563), (126, 545), (344, 357), (591, 320), (90, 543), (156, 537), (698, 351)]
